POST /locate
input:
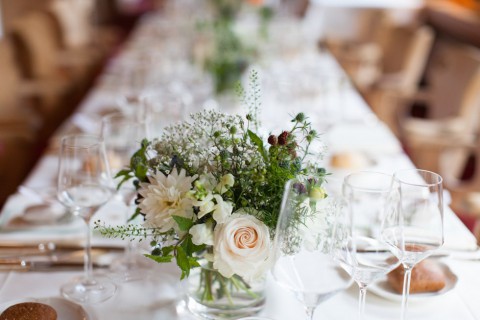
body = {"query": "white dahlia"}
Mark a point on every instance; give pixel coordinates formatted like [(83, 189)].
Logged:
[(164, 197)]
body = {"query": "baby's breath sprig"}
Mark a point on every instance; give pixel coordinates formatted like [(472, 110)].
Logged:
[(131, 231)]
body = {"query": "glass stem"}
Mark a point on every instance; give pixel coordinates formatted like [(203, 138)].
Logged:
[(88, 263), (310, 311), (361, 301), (130, 247), (406, 290)]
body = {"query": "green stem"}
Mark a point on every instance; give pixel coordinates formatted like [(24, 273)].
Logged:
[(240, 284), (225, 289), (207, 295)]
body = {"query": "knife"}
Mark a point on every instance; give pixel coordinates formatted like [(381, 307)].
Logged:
[(44, 266), (53, 246)]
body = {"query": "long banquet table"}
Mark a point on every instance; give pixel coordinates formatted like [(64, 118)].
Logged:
[(295, 77)]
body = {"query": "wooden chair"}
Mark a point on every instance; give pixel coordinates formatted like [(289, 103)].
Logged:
[(405, 57), (84, 43), (361, 56), (426, 138), (17, 112), (19, 125), (465, 193), (58, 87), (16, 158)]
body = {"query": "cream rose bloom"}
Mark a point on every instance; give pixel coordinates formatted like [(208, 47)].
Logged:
[(241, 247)]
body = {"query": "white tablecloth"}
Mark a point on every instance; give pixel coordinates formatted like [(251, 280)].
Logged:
[(349, 127)]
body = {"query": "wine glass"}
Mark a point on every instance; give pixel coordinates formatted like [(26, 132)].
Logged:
[(122, 135), (161, 109), (363, 253), (304, 242), (415, 228), (83, 187)]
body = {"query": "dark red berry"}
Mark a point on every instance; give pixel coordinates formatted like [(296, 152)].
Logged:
[(272, 140), (282, 138)]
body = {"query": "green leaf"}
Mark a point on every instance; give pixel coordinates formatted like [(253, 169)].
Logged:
[(182, 262), (167, 250), (160, 259), (189, 247), (183, 223), (193, 262), (141, 171), (259, 143), (124, 179), (123, 172), (135, 214)]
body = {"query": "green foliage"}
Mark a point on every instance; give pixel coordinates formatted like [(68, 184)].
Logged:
[(231, 54), (160, 259), (184, 224)]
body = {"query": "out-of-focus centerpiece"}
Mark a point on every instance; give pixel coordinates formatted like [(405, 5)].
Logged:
[(210, 191), (230, 53)]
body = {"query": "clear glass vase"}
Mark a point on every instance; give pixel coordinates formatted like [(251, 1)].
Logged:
[(212, 296)]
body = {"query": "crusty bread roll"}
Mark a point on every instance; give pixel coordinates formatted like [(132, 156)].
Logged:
[(427, 276), (348, 160), (29, 311)]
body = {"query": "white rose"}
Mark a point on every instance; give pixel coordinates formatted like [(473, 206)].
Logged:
[(202, 234), (241, 247), (225, 182), (222, 210)]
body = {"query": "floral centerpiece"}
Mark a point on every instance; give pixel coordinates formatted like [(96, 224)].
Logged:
[(210, 191), (231, 54)]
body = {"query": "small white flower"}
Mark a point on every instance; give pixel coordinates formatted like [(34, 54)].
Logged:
[(222, 210), (208, 181), (202, 234), (205, 206), (166, 196), (225, 183), (241, 247)]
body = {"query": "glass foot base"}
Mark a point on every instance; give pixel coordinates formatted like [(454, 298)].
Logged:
[(84, 291), (130, 269)]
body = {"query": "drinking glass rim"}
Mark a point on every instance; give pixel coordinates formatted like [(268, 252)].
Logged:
[(124, 118), (363, 189), (96, 140), (426, 184)]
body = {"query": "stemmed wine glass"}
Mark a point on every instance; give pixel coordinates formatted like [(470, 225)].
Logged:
[(304, 242), (415, 228), (363, 253), (161, 109), (122, 136), (83, 187)]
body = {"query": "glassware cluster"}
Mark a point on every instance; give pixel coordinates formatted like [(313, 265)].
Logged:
[(377, 223)]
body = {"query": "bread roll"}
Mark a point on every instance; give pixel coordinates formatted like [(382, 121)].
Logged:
[(427, 276), (29, 311), (348, 160)]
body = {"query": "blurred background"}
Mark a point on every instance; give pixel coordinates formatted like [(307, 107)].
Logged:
[(416, 63)]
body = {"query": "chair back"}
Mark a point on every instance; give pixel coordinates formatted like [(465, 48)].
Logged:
[(10, 75), (38, 34), (450, 60), (406, 53), (75, 18)]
